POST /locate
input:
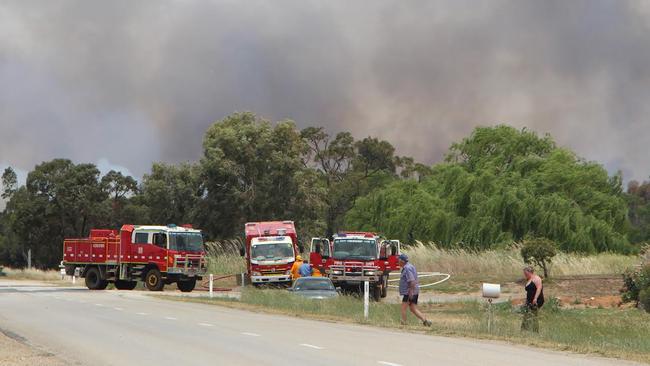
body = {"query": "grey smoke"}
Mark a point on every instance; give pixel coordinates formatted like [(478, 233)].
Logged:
[(132, 82)]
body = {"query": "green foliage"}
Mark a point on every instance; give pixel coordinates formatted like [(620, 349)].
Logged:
[(252, 171), (644, 299), (635, 281), (60, 199), (638, 195), (348, 170), (539, 251), (170, 193), (498, 186), (119, 189), (9, 182)]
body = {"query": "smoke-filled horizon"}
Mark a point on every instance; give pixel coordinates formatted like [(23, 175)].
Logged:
[(128, 83)]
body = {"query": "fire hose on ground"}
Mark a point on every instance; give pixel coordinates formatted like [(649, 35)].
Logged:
[(205, 284), (423, 275)]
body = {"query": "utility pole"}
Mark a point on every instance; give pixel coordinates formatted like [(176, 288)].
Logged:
[(29, 259)]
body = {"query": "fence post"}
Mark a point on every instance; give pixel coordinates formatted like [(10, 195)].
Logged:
[(366, 298), (211, 280)]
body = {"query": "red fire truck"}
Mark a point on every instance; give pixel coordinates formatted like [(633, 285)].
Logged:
[(157, 255), (270, 250), (351, 258)]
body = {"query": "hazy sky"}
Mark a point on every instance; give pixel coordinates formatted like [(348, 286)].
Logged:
[(125, 83)]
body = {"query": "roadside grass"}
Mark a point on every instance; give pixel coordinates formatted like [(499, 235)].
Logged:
[(607, 332), (31, 274), (508, 264), (224, 258), (490, 264), (467, 268)]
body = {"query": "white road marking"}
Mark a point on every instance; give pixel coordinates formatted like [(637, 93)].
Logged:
[(118, 309), (170, 318), (99, 305), (310, 346), (206, 325), (142, 313), (388, 363), (251, 334)]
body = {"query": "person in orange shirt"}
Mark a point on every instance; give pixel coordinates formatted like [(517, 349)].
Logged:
[(296, 266), (315, 272)]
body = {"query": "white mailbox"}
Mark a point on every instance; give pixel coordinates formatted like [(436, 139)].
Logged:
[(491, 290)]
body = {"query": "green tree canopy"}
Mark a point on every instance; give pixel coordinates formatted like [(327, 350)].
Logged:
[(253, 170), (498, 186), (59, 200)]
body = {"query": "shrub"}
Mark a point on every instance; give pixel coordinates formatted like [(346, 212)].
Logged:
[(636, 281), (539, 251), (644, 299)]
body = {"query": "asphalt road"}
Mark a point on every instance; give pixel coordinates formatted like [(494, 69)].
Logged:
[(129, 328)]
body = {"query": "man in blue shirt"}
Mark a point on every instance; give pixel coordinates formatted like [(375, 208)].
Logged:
[(409, 288), (305, 270)]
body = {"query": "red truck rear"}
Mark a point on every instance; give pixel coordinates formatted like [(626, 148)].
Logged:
[(270, 250), (157, 255), (351, 258)]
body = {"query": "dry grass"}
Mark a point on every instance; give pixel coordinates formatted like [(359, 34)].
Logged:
[(498, 265), (31, 274), (224, 257), (507, 264)]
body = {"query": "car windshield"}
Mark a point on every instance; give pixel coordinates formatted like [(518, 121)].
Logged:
[(322, 284), (272, 251), (362, 249), (189, 242)]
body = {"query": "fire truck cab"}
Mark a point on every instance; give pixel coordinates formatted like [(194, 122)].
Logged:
[(351, 258), (270, 250), (157, 255)]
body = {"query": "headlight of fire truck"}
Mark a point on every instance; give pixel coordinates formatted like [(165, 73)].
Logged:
[(370, 273), (337, 272), (287, 272), (256, 273)]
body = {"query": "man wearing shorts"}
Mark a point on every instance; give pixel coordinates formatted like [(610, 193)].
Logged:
[(409, 289)]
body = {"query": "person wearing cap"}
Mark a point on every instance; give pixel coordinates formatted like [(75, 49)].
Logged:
[(409, 289), (295, 268)]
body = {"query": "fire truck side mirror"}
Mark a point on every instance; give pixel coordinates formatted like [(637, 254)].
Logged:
[(384, 251), (315, 245), (394, 247)]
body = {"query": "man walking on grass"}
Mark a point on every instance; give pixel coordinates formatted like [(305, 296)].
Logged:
[(409, 289)]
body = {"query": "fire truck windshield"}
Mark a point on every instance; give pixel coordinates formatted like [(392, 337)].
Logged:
[(271, 251), (190, 242), (361, 249)]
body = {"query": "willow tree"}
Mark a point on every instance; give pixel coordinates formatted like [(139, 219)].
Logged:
[(500, 185)]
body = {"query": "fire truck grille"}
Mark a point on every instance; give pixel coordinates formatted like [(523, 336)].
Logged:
[(272, 273)]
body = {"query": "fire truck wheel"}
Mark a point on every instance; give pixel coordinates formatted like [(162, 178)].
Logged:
[(94, 279), (125, 285), (186, 286), (376, 293), (153, 280), (384, 286)]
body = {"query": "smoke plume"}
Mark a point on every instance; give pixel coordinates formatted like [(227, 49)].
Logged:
[(131, 82)]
